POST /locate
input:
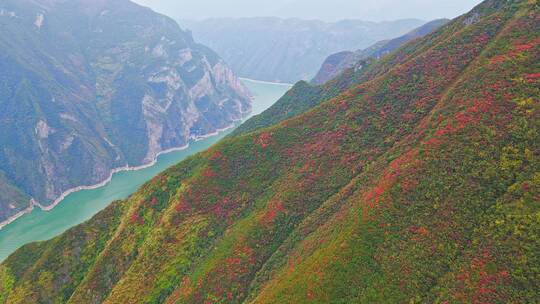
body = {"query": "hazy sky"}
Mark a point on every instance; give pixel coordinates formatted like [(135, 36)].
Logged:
[(375, 10)]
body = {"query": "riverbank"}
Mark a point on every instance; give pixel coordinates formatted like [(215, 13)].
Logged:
[(80, 206), (105, 182), (267, 82), (262, 100), (16, 216)]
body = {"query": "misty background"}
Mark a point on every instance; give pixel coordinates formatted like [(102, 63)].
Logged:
[(327, 10)]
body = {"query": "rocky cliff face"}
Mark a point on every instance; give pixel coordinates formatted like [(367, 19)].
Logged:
[(89, 86)]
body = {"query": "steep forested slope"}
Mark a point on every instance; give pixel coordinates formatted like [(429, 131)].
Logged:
[(337, 63), (348, 68), (90, 86), (304, 96), (420, 184)]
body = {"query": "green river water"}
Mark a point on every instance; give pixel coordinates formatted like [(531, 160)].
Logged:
[(81, 206)]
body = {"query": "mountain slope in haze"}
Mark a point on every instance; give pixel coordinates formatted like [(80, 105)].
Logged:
[(288, 50), (337, 63), (419, 184), (89, 86), (304, 96), (340, 71)]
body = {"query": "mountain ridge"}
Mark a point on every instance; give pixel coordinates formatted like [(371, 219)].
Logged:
[(288, 50), (416, 184), (337, 63)]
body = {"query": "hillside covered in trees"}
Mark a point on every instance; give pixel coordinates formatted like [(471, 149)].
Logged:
[(418, 182)]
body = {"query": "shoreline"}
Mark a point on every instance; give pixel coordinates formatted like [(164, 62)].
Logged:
[(104, 183), (16, 216), (267, 82)]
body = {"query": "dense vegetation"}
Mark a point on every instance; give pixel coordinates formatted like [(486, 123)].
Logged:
[(419, 184), (349, 68)]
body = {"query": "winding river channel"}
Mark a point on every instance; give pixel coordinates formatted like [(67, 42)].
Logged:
[(81, 206)]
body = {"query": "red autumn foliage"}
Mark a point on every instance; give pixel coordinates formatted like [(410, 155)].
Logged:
[(475, 112), (482, 38), (409, 184), (209, 173), (498, 59), (397, 168), (219, 211), (263, 140), (239, 263), (217, 155), (136, 218), (480, 283), (433, 142), (325, 143), (526, 46), (518, 48), (274, 209), (183, 206), (419, 230), (186, 288), (532, 77)]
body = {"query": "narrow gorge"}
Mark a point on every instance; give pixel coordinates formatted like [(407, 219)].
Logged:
[(124, 85)]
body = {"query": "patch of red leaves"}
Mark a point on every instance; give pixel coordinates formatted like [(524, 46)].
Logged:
[(397, 168), (532, 77), (419, 231), (481, 284), (136, 218), (183, 206), (525, 46), (274, 209), (217, 155), (517, 49), (209, 173), (498, 59), (264, 140)]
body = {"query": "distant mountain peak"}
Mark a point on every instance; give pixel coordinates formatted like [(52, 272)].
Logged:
[(288, 50)]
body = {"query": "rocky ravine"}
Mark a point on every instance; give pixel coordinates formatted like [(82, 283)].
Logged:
[(90, 86)]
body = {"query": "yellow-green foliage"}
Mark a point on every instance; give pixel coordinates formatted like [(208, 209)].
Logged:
[(7, 282)]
